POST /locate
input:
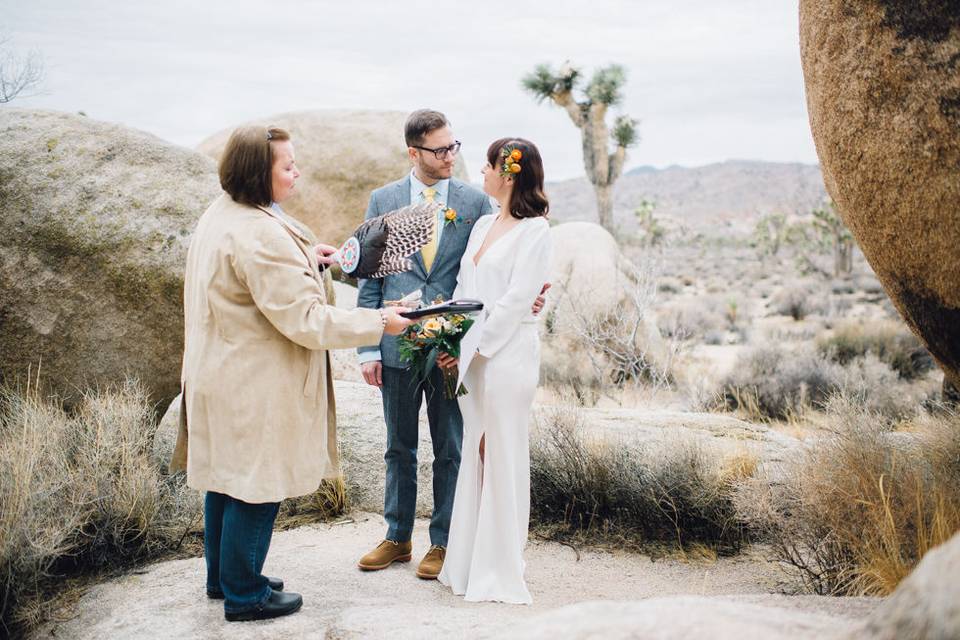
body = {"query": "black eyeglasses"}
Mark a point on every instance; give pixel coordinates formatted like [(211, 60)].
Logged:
[(441, 152)]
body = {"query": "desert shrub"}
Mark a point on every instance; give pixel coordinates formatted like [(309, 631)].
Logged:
[(800, 299), (689, 318), (714, 337), (891, 342), (79, 494), (678, 495), (877, 388), (619, 346), (855, 513), (771, 382), (669, 284), (598, 347)]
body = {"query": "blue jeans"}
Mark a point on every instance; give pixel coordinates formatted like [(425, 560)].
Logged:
[(402, 397), (236, 537)]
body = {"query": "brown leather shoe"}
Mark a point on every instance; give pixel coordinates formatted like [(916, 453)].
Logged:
[(431, 564), (386, 553)]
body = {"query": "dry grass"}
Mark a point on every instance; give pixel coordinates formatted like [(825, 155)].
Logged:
[(855, 514), (79, 494), (330, 501), (82, 499), (678, 496)]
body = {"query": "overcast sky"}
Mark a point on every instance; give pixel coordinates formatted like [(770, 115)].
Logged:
[(708, 80)]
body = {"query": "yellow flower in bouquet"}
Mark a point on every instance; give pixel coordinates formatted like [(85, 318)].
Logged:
[(431, 327), (422, 343)]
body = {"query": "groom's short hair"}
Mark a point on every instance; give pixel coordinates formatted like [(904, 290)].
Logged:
[(420, 123)]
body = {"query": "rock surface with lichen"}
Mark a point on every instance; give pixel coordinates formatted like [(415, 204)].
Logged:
[(883, 94), (343, 155), (96, 221)]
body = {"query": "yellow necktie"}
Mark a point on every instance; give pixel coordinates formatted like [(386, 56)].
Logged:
[(429, 250)]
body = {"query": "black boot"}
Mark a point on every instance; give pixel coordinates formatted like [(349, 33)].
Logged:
[(278, 604)]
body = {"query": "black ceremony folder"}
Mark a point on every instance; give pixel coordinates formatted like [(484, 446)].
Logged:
[(450, 306)]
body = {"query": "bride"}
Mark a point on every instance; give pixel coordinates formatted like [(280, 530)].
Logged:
[(505, 263)]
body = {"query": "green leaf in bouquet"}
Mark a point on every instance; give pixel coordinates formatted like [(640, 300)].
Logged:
[(430, 362)]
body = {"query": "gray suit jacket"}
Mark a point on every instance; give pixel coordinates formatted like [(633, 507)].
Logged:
[(470, 203)]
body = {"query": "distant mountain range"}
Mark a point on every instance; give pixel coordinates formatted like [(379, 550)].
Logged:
[(728, 196)]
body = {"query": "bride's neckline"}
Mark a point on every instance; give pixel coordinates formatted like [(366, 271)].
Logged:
[(484, 247)]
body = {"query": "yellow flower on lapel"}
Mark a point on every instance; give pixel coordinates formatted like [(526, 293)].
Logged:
[(451, 216)]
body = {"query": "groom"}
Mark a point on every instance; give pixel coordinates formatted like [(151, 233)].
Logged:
[(432, 150)]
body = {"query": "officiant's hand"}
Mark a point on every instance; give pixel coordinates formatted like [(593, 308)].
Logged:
[(395, 322), (324, 253), (446, 361), (541, 300)]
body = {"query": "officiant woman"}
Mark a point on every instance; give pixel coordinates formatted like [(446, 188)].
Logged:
[(257, 415)]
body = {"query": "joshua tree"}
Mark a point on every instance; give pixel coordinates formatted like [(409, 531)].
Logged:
[(589, 115), (769, 234), (18, 74), (823, 233), (834, 234), (653, 231)]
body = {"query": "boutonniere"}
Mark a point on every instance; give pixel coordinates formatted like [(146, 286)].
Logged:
[(451, 217)]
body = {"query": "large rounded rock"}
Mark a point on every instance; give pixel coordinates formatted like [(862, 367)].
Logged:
[(926, 604), (680, 618), (598, 300), (343, 156), (96, 220), (883, 93)]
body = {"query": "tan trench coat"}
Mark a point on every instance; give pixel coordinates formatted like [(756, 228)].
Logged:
[(258, 409)]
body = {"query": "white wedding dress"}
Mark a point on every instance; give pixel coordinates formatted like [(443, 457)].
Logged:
[(491, 507)]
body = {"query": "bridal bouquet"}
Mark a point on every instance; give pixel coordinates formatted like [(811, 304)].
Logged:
[(422, 343)]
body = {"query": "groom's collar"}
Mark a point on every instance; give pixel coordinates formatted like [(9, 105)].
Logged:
[(442, 187)]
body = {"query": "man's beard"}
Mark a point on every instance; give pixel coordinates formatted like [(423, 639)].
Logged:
[(435, 173)]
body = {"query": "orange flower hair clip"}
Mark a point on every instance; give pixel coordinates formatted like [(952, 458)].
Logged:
[(511, 161)]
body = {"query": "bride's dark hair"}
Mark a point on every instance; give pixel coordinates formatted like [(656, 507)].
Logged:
[(527, 199)]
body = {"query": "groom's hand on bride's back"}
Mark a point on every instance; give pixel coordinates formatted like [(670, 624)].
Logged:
[(541, 299)]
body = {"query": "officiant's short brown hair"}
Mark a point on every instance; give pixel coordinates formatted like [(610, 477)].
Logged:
[(528, 199), (420, 123), (246, 165)]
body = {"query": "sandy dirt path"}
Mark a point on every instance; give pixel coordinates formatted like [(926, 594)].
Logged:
[(167, 600)]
